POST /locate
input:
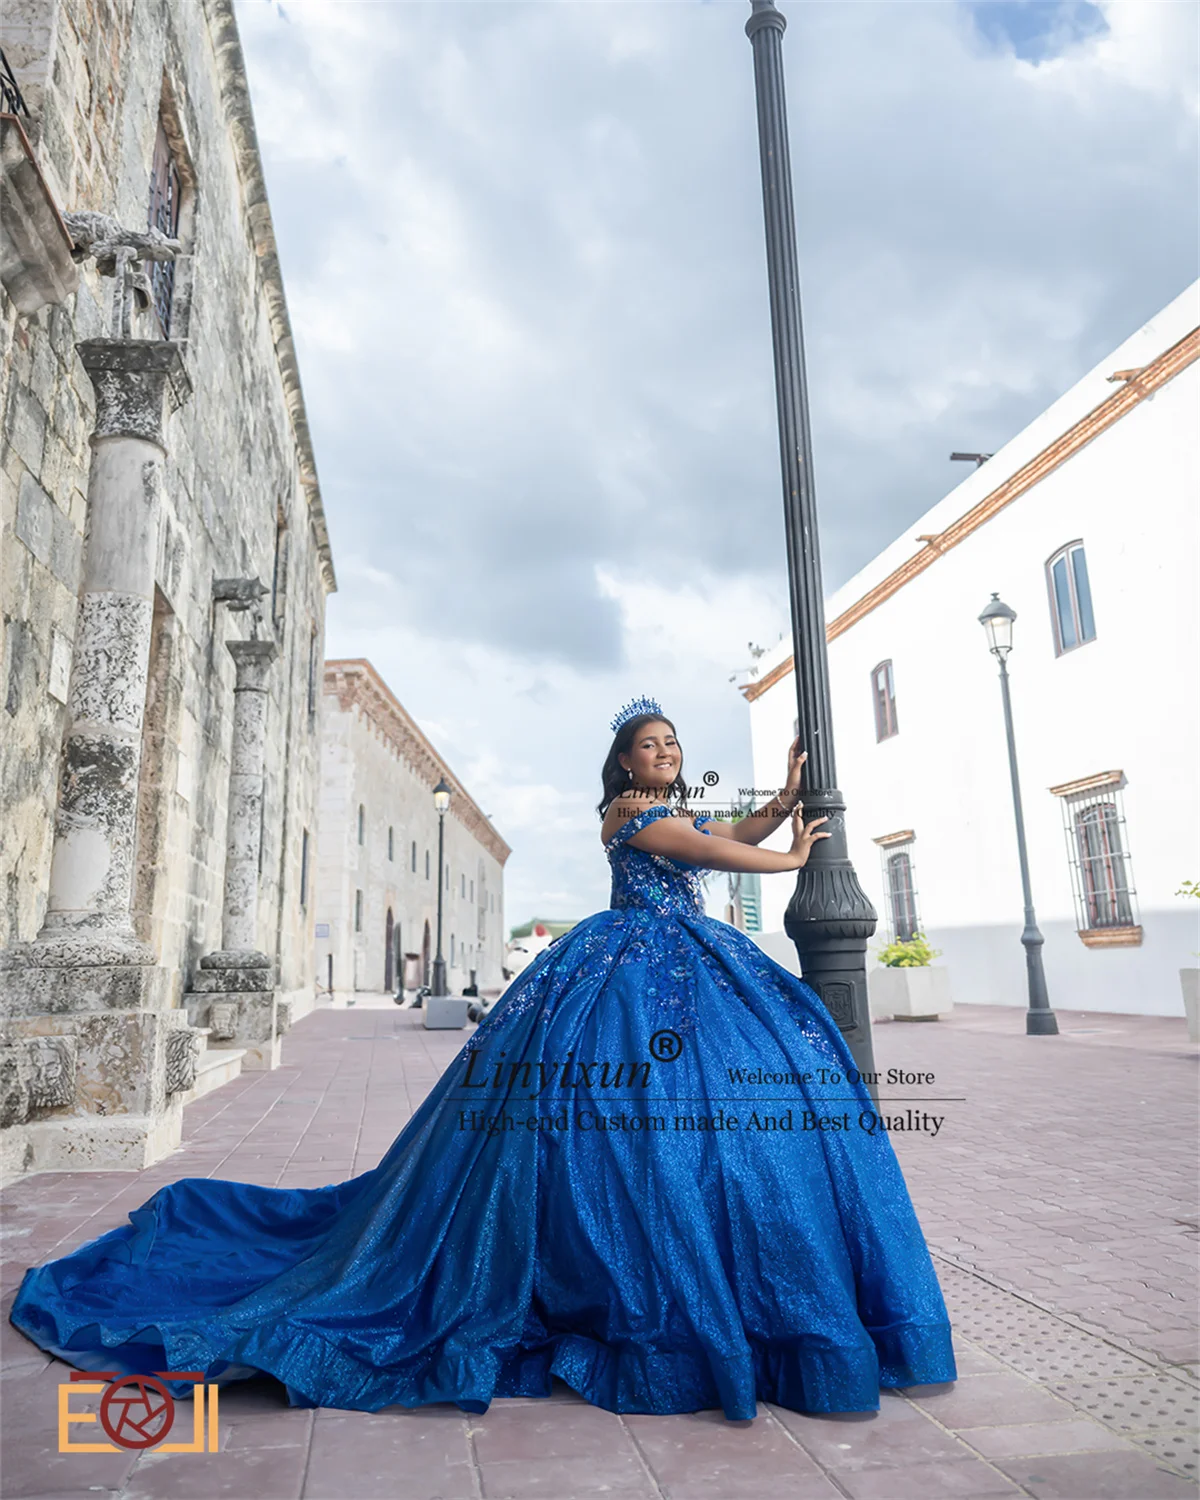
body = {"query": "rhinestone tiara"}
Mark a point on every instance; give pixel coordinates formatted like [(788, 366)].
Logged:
[(633, 709)]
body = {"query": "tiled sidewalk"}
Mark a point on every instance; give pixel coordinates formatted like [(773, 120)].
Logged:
[(1059, 1210)]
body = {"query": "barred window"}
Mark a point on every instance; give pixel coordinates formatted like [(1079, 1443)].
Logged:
[(883, 693), (1103, 866), (902, 896), (899, 883), (1070, 598), (1101, 870), (166, 189)]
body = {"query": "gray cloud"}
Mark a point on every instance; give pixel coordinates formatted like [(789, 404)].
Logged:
[(523, 248)]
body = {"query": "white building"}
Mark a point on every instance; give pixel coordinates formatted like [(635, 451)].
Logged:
[(1086, 524), (375, 903)]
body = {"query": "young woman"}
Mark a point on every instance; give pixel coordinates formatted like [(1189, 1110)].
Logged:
[(638, 1175)]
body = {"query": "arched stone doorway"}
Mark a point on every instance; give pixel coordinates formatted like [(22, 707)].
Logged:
[(389, 954)]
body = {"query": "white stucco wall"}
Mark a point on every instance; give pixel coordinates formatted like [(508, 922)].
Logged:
[(362, 765), (1126, 701)]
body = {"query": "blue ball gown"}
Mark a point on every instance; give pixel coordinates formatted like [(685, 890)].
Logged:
[(630, 1240)]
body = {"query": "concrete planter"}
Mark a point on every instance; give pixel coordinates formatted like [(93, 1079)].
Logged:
[(1189, 980), (920, 994), (445, 1012)]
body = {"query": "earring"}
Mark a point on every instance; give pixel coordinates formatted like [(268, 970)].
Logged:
[(630, 775)]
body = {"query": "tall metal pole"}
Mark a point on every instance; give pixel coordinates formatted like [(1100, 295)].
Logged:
[(1040, 1020), (829, 918), (439, 963)]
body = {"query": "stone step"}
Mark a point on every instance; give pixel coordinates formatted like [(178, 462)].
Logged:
[(217, 1066)]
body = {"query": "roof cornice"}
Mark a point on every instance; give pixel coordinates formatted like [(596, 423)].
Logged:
[(357, 684), (235, 94), (1137, 388)]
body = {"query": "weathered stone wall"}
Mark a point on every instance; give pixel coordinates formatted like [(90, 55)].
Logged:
[(375, 757), (240, 496)]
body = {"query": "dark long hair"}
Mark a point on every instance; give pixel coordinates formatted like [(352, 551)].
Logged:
[(614, 777)]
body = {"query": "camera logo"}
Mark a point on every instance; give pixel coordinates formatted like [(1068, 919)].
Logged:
[(137, 1412)]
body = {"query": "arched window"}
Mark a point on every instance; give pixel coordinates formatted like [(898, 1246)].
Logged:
[(362, 823), (883, 694), (1070, 598), (902, 896), (391, 844), (1103, 866)]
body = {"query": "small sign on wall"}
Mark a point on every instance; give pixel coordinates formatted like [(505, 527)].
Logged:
[(322, 929)]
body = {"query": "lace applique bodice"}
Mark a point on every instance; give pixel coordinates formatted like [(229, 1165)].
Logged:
[(651, 882)]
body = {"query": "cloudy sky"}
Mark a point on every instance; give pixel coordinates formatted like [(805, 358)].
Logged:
[(524, 257)]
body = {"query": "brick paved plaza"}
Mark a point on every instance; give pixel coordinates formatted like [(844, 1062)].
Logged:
[(1059, 1200)]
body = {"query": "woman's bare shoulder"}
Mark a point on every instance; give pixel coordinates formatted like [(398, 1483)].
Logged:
[(623, 807)]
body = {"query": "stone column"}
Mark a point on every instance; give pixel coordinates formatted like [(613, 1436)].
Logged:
[(233, 995), (87, 978), (243, 839), (91, 874)]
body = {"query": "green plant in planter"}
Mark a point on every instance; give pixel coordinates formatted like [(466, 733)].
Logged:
[(909, 953)]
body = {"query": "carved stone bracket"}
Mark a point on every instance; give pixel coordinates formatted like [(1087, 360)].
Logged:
[(36, 1073), (54, 1060), (183, 1058)]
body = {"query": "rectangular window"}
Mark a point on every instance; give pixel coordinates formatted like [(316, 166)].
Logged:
[(391, 845), (304, 869), (1070, 598), (414, 856), (279, 571), (1067, 634), (362, 823), (358, 911), (166, 188), (427, 864), (883, 693), (313, 664)]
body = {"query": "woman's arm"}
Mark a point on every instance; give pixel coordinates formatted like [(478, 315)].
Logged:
[(677, 839), (763, 821)]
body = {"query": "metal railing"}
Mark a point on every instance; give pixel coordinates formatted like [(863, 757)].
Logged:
[(10, 93)]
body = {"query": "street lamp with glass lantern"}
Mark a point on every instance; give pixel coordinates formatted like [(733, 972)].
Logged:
[(997, 620), (441, 801)]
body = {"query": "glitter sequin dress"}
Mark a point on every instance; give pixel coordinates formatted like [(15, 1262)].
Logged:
[(613, 1183)]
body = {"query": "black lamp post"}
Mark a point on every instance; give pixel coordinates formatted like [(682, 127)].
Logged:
[(997, 619), (441, 801), (829, 918)]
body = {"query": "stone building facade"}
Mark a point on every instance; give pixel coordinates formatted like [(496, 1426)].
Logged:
[(164, 572), (377, 862)]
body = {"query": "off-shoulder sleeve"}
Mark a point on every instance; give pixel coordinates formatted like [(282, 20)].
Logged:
[(702, 818), (639, 821)]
